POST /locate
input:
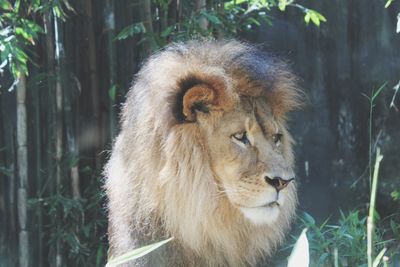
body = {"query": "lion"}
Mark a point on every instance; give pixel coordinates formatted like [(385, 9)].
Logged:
[(204, 156)]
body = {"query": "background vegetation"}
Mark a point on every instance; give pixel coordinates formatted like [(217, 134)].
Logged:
[(65, 67)]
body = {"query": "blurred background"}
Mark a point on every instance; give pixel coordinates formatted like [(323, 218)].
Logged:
[(65, 67)]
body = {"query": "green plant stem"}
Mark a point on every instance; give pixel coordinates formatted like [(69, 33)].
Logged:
[(372, 98), (371, 105), (370, 220)]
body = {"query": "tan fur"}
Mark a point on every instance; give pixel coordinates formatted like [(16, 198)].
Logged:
[(176, 170)]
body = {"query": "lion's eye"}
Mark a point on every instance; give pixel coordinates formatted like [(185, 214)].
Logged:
[(241, 137), (277, 138)]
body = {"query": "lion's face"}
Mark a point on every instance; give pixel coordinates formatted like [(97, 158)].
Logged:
[(251, 157)]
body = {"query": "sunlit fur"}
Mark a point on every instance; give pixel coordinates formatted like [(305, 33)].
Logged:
[(182, 175)]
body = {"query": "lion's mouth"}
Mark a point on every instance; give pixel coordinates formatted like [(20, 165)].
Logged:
[(269, 205)]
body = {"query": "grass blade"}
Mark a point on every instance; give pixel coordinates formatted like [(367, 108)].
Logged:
[(136, 253), (379, 258), (375, 94), (300, 253)]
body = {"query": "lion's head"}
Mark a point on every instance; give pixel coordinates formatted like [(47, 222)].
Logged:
[(204, 155)]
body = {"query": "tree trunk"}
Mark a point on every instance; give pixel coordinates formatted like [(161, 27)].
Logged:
[(22, 159)]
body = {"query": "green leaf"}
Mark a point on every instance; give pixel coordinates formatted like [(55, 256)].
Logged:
[(282, 5), (315, 19), (233, 3), (5, 5), (388, 3), (395, 194), (380, 89), (99, 255), (300, 253), (254, 21), (112, 92), (307, 18), (131, 30), (136, 253), (379, 258), (165, 33), (320, 16), (23, 33), (309, 219), (17, 4), (314, 16), (212, 18), (34, 27), (57, 11)]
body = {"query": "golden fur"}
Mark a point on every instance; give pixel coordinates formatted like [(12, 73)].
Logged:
[(182, 167)]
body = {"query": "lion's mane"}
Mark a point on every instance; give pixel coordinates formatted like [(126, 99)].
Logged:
[(159, 181)]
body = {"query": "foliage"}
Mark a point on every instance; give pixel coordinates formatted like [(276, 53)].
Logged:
[(388, 3), (81, 229), (345, 243), (226, 18), (356, 239), (20, 29)]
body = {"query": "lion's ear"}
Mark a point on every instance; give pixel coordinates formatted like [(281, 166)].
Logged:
[(204, 94), (198, 98)]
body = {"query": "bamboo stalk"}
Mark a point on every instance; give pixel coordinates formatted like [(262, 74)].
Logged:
[(71, 142), (8, 236), (48, 23), (173, 11), (370, 219), (58, 126), (147, 16), (93, 76), (12, 234), (3, 197), (220, 9), (69, 109), (112, 63), (22, 159), (200, 5), (38, 174)]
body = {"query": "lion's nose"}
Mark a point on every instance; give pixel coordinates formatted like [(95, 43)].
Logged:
[(277, 182)]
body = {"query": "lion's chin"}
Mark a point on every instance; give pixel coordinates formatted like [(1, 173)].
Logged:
[(262, 215)]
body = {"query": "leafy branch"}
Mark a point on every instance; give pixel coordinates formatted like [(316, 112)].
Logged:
[(20, 31), (227, 19)]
